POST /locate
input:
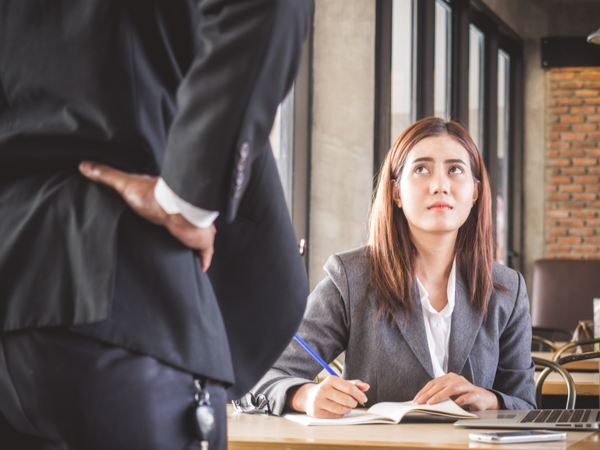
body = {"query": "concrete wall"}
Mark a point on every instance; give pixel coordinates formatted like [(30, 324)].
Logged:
[(532, 20), (342, 128)]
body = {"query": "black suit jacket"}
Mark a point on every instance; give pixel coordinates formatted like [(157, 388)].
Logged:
[(182, 88)]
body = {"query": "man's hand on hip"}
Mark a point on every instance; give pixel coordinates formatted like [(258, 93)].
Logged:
[(138, 193)]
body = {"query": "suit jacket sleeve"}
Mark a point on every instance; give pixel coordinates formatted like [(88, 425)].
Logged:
[(248, 58), (514, 383), (326, 328)]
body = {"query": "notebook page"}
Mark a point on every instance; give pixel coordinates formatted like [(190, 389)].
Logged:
[(397, 410), (353, 418)]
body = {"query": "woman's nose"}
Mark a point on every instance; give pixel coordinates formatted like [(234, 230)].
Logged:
[(439, 184)]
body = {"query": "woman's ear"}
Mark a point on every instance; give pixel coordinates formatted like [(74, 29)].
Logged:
[(395, 194), (475, 193)]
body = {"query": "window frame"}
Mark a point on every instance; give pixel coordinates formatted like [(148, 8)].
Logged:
[(303, 93), (294, 141), (497, 35)]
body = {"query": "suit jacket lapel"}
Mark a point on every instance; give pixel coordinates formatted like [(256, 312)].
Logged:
[(466, 322), (413, 330)]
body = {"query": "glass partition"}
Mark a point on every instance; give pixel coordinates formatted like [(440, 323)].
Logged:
[(502, 203), (476, 41), (401, 82), (282, 143)]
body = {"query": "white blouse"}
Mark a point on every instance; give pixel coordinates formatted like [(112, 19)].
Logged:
[(437, 324)]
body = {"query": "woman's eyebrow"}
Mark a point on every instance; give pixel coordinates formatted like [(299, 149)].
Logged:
[(430, 159), (424, 158), (455, 161)]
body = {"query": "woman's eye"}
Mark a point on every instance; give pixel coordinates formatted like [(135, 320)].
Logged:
[(421, 169), (456, 169)]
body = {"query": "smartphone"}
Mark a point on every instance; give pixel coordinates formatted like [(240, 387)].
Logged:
[(507, 437)]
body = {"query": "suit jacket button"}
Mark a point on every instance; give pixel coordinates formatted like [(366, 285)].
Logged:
[(241, 164), (239, 179), (244, 150)]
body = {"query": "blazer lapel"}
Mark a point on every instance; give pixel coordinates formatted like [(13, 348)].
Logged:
[(466, 322), (413, 330)]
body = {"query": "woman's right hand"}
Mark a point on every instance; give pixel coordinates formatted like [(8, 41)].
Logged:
[(333, 398)]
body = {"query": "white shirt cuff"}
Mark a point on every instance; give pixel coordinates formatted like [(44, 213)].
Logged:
[(173, 204)]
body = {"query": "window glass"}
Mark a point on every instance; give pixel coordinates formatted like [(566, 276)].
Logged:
[(441, 65), (401, 83), (476, 85), (282, 143), (502, 203)]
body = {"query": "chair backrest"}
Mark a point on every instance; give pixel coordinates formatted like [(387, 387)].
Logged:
[(563, 292)]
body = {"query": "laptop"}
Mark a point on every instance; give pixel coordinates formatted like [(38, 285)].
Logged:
[(563, 419)]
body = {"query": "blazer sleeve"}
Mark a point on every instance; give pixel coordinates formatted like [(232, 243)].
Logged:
[(325, 327), (248, 56), (514, 383)]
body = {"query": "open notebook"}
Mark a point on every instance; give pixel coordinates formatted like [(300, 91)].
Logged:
[(386, 412)]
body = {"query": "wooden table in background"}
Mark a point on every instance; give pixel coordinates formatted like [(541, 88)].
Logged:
[(586, 383), (250, 431)]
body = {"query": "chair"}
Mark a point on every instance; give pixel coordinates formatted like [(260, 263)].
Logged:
[(543, 338), (557, 365), (559, 352), (563, 292), (549, 367), (337, 364), (540, 344)]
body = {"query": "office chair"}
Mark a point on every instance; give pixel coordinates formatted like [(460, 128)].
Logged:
[(563, 292), (549, 367)]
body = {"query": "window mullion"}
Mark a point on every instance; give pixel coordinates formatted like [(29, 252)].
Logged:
[(459, 106), (490, 112), (424, 61)]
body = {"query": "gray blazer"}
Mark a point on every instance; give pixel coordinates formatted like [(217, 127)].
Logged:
[(493, 352)]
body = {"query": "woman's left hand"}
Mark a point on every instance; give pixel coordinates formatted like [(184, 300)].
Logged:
[(458, 389)]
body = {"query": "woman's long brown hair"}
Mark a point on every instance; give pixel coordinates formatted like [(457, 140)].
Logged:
[(392, 255)]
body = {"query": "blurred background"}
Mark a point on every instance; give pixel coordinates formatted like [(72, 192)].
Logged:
[(519, 74)]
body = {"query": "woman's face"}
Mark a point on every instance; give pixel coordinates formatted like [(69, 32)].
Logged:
[(437, 189)]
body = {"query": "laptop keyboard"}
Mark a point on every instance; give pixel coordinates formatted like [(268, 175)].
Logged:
[(557, 415)]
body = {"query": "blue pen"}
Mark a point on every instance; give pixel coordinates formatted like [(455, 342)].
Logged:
[(314, 355), (317, 357)]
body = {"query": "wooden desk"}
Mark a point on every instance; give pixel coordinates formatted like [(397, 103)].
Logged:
[(588, 364), (586, 383), (248, 431)]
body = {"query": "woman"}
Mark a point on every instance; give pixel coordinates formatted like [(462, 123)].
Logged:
[(422, 312)]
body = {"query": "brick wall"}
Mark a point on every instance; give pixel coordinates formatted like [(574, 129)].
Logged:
[(573, 163)]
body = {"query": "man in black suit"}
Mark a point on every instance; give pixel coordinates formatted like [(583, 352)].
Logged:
[(107, 315)]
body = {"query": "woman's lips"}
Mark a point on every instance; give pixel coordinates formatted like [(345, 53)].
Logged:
[(440, 206)]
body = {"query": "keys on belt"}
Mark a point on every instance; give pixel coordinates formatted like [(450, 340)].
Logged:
[(205, 415)]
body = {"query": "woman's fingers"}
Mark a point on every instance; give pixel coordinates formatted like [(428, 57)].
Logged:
[(429, 390), (441, 388), (334, 408), (349, 388), (335, 397), (360, 384), (444, 393), (458, 388), (341, 398)]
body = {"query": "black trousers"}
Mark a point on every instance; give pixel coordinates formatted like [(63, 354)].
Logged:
[(61, 390)]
